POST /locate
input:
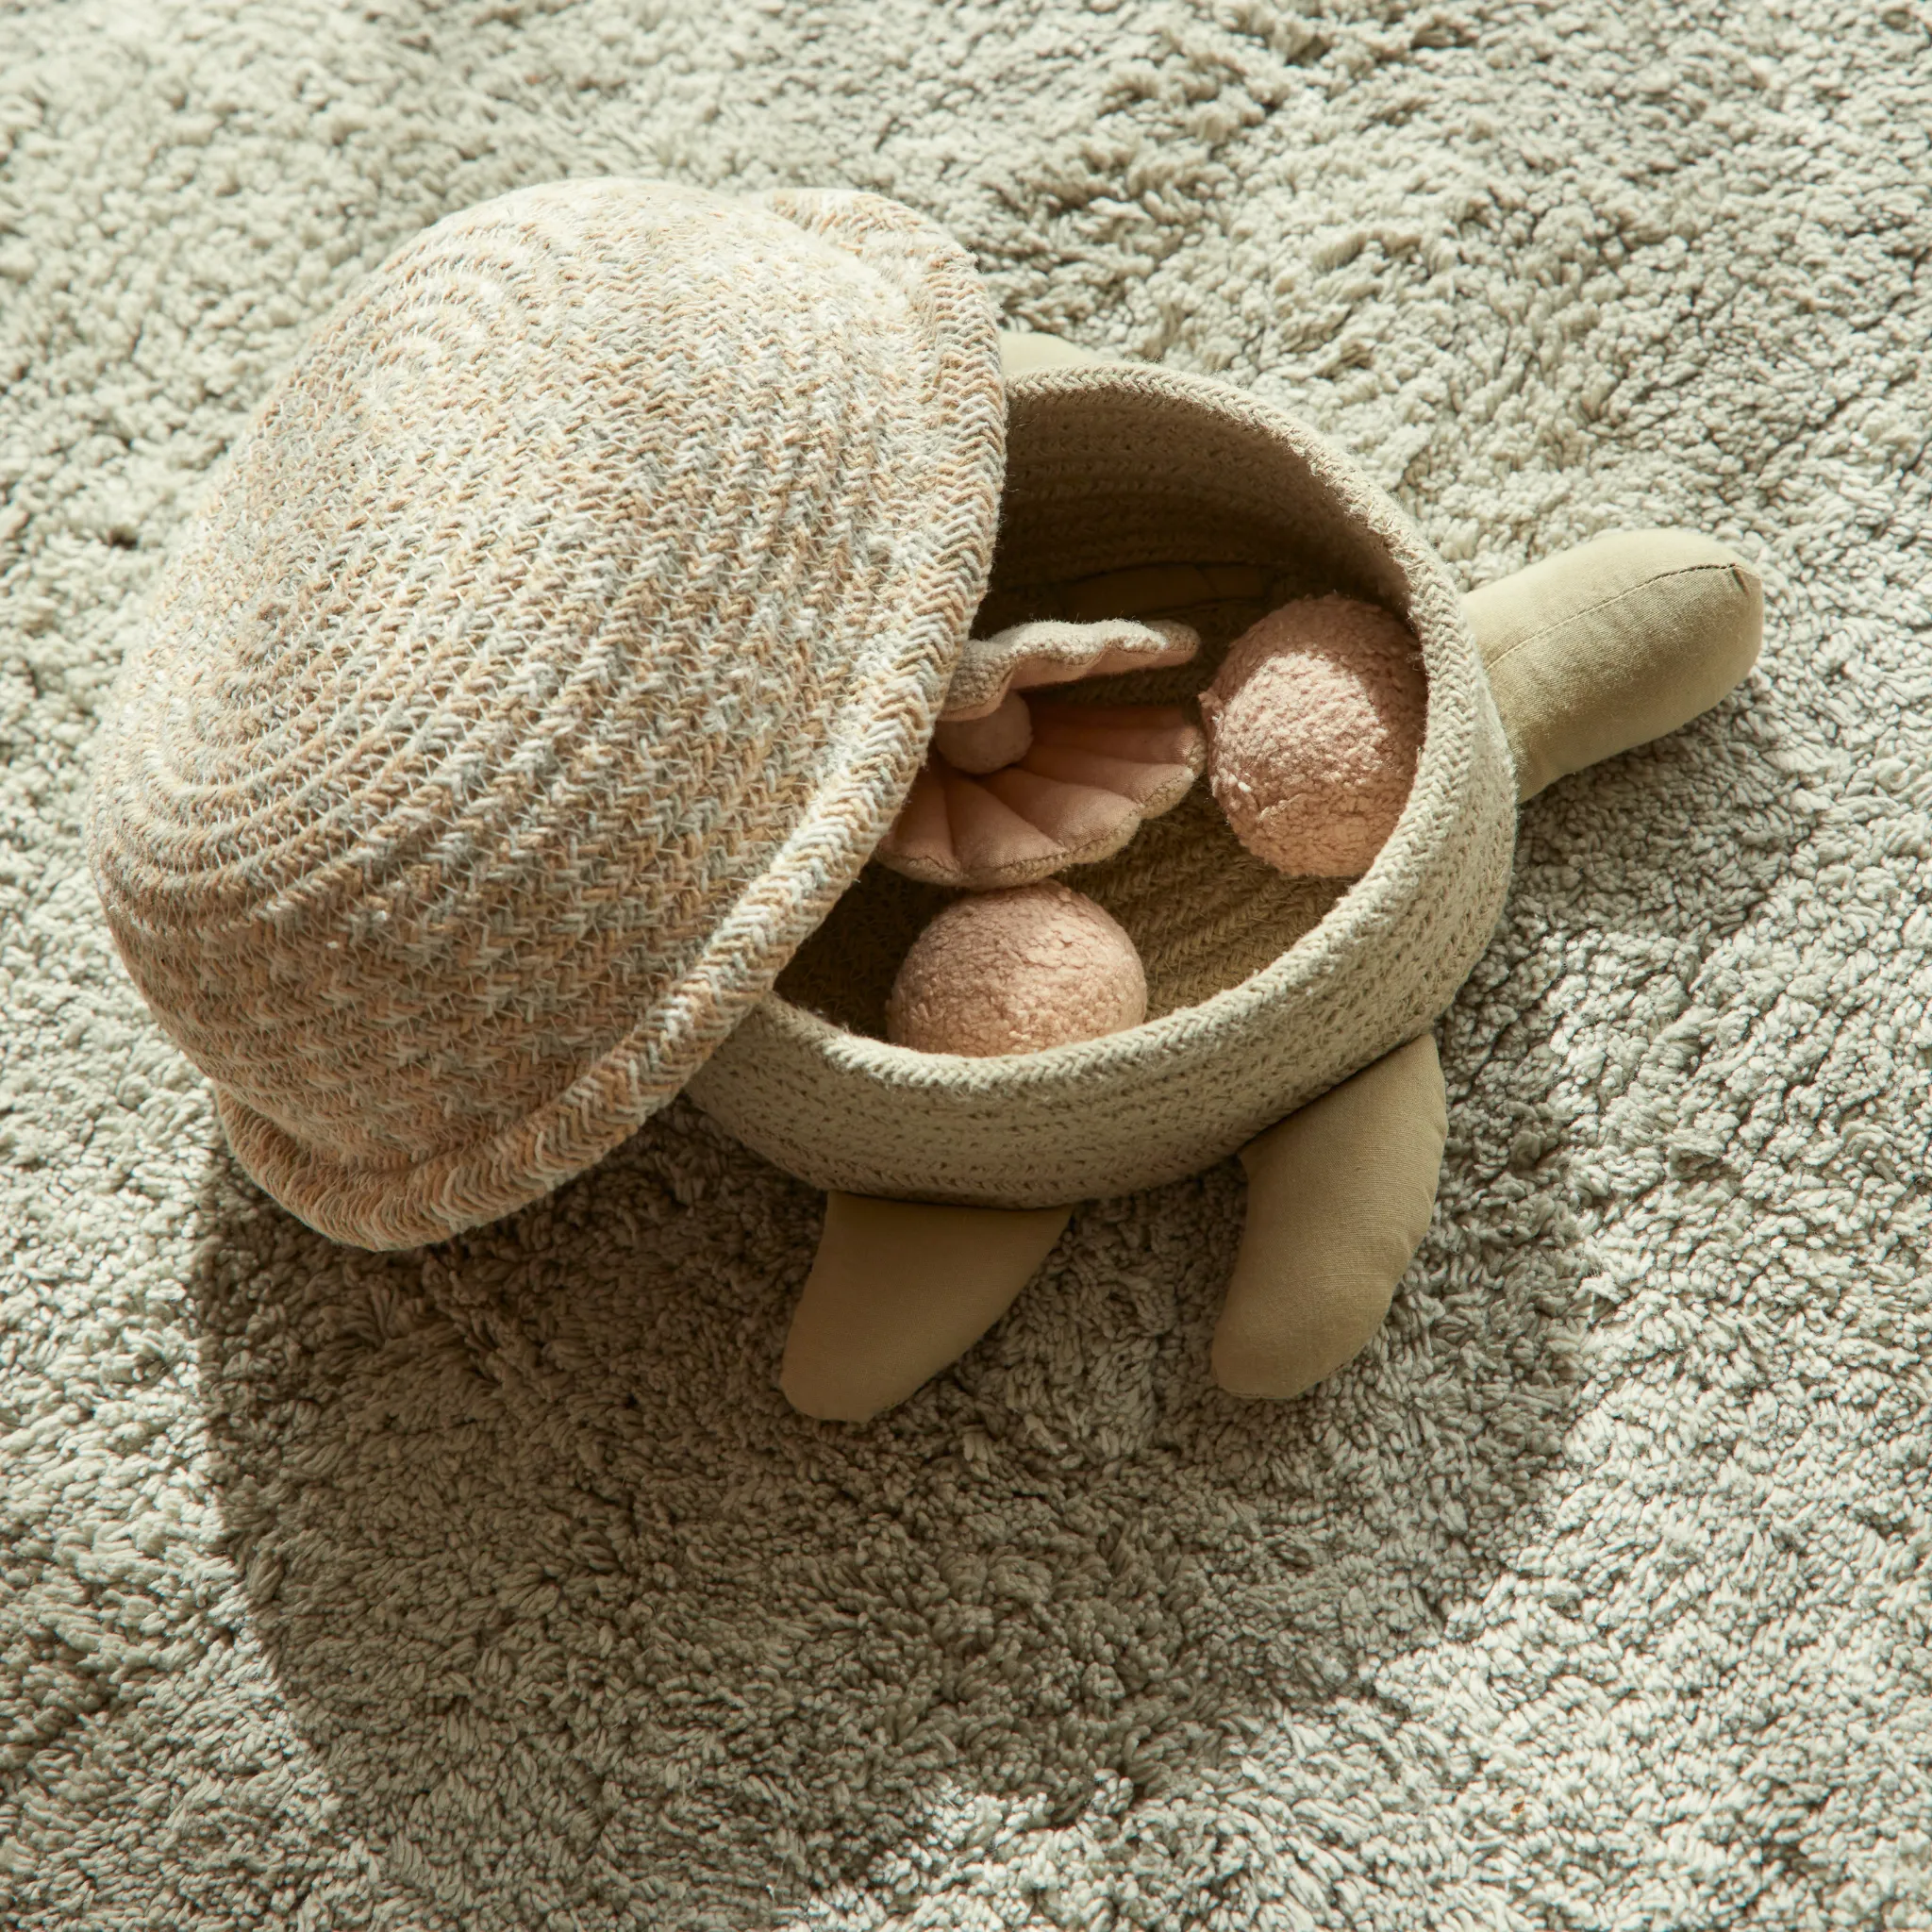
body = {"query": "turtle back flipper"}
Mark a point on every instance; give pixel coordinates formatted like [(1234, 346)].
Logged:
[(1610, 644), (1340, 1196), (899, 1290)]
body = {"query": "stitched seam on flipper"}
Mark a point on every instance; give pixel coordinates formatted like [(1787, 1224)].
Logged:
[(1663, 576)]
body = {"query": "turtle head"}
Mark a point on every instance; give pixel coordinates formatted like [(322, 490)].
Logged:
[(1613, 644)]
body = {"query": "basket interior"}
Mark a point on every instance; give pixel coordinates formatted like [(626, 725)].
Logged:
[(1123, 503)]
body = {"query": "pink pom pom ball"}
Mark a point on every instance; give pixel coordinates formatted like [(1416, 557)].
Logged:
[(1015, 972), (1314, 722)]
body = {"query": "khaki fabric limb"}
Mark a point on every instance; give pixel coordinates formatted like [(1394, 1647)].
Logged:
[(1609, 645), (899, 1290), (1339, 1197)]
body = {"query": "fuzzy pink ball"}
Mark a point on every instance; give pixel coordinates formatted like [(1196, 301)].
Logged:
[(1013, 972), (1314, 722)]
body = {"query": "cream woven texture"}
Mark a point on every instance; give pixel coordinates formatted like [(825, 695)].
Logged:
[(552, 650), (1038, 656), (1104, 462)]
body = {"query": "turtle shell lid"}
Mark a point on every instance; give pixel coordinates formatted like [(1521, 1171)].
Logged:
[(548, 656)]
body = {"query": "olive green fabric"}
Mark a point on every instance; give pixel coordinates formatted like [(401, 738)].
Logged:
[(899, 1290), (1612, 643), (1340, 1196)]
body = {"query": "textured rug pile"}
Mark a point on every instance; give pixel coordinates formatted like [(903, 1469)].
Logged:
[(494, 1586)]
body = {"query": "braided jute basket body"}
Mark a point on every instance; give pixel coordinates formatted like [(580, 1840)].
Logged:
[(1129, 490), (517, 721)]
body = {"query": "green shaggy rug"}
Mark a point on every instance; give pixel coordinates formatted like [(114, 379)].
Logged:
[(494, 1584)]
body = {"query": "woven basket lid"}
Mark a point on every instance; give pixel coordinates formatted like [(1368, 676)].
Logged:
[(552, 650)]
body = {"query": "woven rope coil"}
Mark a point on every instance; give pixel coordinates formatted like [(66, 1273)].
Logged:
[(556, 645), (1110, 468)]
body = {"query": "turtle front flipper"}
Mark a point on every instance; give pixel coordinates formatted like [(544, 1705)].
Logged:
[(1613, 644), (899, 1290), (1340, 1196)]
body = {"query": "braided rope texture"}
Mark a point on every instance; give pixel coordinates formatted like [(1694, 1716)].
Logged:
[(552, 650), (1111, 467)]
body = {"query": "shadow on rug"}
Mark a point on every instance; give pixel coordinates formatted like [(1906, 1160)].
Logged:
[(579, 1617)]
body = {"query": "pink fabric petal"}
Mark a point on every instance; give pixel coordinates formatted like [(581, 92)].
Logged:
[(1132, 779), (990, 836), (1077, 818), (1093, 773), (922, 830)]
